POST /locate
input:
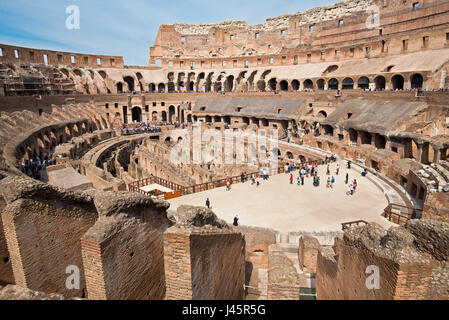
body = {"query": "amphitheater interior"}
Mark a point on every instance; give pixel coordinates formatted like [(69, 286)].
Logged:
[(100, 173)]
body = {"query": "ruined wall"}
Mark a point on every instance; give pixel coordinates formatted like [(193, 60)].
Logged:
[(6, 275), (43, 226), (283, 275), (123, 251), (58, 57), (407, 259), (308, 253), (204, 258)]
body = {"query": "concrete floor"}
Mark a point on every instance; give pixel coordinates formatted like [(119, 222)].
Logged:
[(279, 205)]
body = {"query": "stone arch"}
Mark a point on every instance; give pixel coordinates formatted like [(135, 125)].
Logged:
[(164, 116), (119, 86), (283, 85), (322, 114), (380, 83), (171, 114), (308, 84), (348, 84), (152, 87), (272, 83), (332, 84), (229, 83), (289, 155), (295, 85), (154, 116), (397, 82), (363, 83), (130, 81), (161, 87), (416, 81), (136, 114), (321, 84)]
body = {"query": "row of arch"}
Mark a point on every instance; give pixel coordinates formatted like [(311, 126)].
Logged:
[(229, 84)]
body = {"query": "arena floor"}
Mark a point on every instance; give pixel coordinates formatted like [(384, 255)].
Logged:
[(279, 205)]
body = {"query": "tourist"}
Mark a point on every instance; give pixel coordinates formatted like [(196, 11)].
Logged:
[(328, 183), (328, 171), (347, 178), (365, 173), (332, 182), (208, 203), (242, 178), (338, 169), (236, 221), (354, 185), (350, 191), (291, 178), (349, 164)]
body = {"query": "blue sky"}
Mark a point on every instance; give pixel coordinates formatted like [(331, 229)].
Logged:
[(124, 27)]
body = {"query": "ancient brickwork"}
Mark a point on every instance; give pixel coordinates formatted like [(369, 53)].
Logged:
[(308, 253), (214, 253), (408, 261), (43, 226), (119, 264), (283, 275)]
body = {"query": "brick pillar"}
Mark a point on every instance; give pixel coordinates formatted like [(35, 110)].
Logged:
[(91, 254)]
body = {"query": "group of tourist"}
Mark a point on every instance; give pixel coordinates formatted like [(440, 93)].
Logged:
[(33, 167)]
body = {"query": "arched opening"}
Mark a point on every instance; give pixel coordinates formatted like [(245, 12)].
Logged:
[(416, 81), (322, 114), (380, 141), (332, 84), (171, 114), (245, 120), (189, 118), (363, 83), (272, 83), (321, 84), (353, 135), (229, 84), (161, 87), (397, 82), (308, 84), (328, 130), (380, 83), (261, 85), (152, 87), (164, 116), (348, 84), (275, 152), (208, 119), (365, 137), (130, 82), (295, 85), (283, 85), (136, 114), (191, 86), (119, 87), (154, 116), (289, 155), (217, 119)]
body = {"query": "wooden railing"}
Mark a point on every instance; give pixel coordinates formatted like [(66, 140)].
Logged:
[(347, 225), (136, 185), (400, 214)]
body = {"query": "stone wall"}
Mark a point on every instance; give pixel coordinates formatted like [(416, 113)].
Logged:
[(123, 252), (204, 258), (43, 226), (308, 253), (409, 259), (6, 275)]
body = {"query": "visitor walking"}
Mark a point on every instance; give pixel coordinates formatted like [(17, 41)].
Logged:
[(291, 178), (208, 203), (347, 178), (332, 182), (338, 169), (236, 221)]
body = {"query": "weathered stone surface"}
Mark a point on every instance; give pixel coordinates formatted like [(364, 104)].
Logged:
[(198, 217), (12, 292)]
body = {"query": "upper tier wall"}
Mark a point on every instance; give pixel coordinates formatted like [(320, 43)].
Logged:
[(290, 39), (32, 55)]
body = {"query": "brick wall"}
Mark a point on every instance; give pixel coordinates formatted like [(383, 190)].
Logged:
[(209, 266), (43, 240), (128, 264), (308, 253)]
